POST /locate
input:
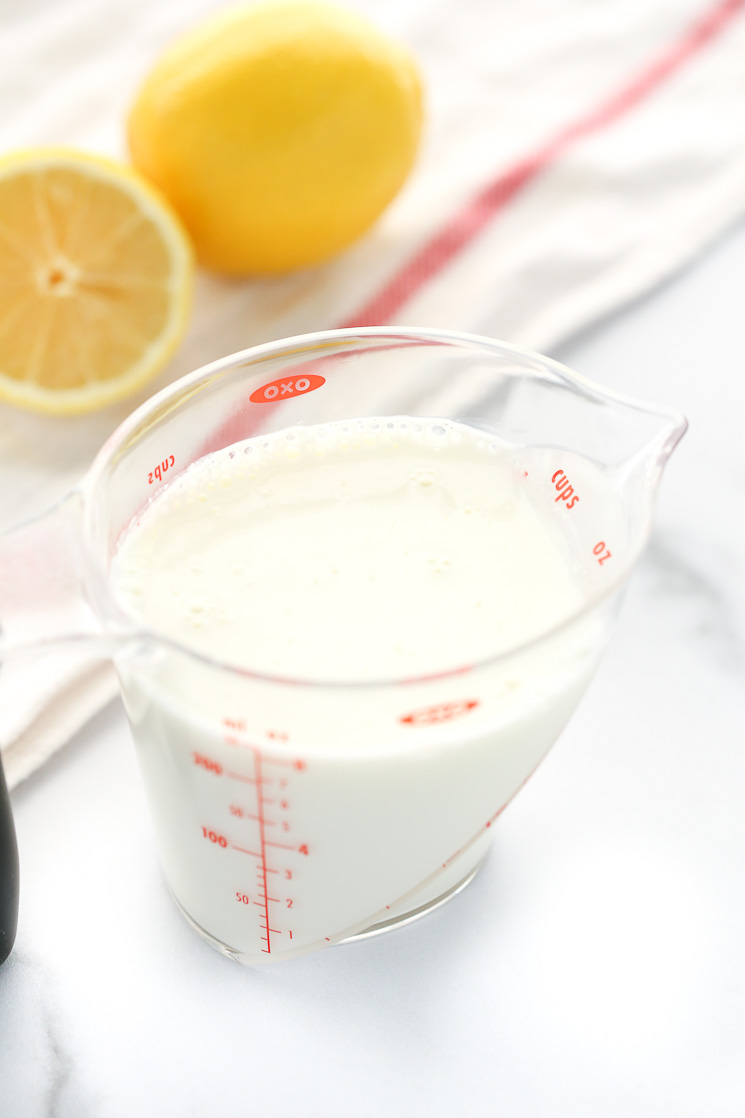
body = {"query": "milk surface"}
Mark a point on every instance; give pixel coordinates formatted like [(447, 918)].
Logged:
[(355, 551), (291, 815)]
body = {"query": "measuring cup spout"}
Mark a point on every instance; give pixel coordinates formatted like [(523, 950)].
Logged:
[(662, 431), (652, 434), (42, 599)]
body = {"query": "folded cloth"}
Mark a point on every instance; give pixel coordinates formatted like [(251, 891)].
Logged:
[(576, 154)]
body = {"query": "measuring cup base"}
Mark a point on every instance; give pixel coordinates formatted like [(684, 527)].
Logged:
[(388, 925), (231, 952), (416, 913)]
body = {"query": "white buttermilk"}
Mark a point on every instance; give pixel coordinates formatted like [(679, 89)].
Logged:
[(290, 816)]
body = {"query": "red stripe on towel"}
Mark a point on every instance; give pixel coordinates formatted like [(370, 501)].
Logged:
[(464, 226)]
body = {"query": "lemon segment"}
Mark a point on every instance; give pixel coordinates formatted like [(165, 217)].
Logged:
[(279, 132), (95, 281)]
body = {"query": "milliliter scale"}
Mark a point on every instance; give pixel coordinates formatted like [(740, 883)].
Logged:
[(260, 827)]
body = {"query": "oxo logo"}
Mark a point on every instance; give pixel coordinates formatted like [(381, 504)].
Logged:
[(441, 712), (286, 387)]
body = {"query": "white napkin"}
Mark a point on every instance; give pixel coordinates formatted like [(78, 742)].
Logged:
[(576, 153)]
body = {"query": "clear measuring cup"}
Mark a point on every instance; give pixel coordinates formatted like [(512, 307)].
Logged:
[(294, 813)]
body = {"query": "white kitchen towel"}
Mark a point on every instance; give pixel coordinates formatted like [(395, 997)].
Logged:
[(576, 153)]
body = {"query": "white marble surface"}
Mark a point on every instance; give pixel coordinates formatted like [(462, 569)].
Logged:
[(595, 967)]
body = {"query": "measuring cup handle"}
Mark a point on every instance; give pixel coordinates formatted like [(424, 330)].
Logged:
[(42, 599)]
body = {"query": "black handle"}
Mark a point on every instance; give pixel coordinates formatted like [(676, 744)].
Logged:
[(8, 873)]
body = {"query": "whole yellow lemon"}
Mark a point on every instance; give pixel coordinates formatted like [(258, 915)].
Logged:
[(279, 132)]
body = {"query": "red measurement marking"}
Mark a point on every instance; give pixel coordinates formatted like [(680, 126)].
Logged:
[(253, 853), (285, 762), (286, 387), (564, 489), (234, 728), (599, 549), (260, 896), (234, 723), (207, 763), (262, 840), (494, 816), (214, 837), (156, 474), (441, 712)]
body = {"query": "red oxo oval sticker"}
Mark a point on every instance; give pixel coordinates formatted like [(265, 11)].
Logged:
[(441, 712), (286, 387)]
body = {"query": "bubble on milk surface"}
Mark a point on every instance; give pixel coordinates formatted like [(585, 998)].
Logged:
[(358, 468), (296, 445)]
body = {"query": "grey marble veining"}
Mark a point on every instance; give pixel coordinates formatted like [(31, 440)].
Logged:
[(682, 568), (37, 1066)]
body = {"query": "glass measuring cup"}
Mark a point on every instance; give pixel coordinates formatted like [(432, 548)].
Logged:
[(295, 813)]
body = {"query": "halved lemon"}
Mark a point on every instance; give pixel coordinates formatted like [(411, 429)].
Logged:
[(95, 281)]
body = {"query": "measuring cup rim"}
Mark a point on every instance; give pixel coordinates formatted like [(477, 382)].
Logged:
[(588, 387), (137, 634)]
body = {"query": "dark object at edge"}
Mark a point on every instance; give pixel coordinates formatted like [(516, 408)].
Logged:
[(8, 873)]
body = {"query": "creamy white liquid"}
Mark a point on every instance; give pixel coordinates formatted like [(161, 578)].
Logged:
[(290, 815), (368, 550)]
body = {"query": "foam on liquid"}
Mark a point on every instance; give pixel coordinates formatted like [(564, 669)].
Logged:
[(367, 549)]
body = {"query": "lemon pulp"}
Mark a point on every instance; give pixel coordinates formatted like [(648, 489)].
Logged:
[(95, 281)]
